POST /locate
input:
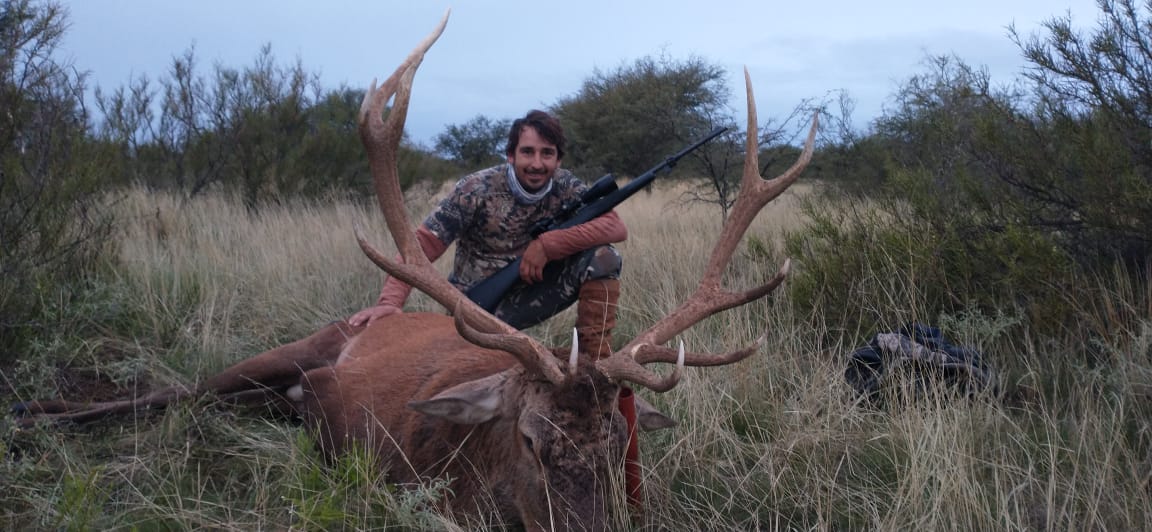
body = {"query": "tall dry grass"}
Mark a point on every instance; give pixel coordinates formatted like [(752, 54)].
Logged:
[(774, 442)]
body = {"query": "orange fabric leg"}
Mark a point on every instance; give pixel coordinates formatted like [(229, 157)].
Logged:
[(596, 316), (627, 407)]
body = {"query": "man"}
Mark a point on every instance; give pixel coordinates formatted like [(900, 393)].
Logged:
[(490, 215)]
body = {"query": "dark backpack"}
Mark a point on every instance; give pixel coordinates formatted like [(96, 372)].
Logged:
[(925, 359)]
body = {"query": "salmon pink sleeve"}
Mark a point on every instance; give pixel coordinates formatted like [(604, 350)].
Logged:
[(395, 292), (605, 229)]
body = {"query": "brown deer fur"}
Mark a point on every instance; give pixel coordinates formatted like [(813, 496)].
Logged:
[(424, 423)]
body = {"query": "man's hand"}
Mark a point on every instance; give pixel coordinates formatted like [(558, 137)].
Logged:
[(532, 263), (371, 314)]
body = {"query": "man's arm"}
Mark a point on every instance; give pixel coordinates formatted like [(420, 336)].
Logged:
[(395, 292), (561, 243), (605, 229)]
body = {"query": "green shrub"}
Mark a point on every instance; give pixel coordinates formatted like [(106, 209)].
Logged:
[(870, 266), (51, 223)]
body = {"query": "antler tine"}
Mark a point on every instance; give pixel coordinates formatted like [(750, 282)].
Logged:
[(625, 368), (525, 348), (709, 297), (496, 334), (381, 138)]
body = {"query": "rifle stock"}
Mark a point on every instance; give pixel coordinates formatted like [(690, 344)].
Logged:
[(488, 293)]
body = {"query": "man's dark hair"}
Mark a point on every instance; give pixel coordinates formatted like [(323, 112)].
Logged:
[(546, 126)]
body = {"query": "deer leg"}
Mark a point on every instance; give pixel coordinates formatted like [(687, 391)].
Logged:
[(283, 366), (87, 412), (274, 403), (267, 373), (40, 407)]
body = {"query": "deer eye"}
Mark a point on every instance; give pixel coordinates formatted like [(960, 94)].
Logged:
[(528, 442)]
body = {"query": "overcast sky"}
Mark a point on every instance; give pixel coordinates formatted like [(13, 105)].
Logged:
[(501, 58)]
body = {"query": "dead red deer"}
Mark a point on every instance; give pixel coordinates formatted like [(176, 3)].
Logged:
[(519, 430)]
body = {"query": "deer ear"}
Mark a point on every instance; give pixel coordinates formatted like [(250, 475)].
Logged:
[(651, 419), (468, 403)]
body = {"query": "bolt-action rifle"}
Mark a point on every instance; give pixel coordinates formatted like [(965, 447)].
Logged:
[(601, 197)]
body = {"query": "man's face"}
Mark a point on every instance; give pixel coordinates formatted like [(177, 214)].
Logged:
[(535, 160)]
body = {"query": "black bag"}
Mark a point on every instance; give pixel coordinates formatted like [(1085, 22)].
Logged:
[(924, 357)]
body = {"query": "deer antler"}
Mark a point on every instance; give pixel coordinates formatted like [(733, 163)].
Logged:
[(709, 298), (381, 138)]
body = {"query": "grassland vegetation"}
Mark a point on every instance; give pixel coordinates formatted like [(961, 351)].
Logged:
[(1013, 217), (51, 227), (776, 441)]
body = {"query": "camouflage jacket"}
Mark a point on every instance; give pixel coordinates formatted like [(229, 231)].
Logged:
[(489, 226)]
